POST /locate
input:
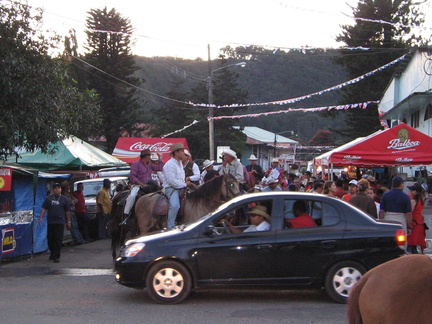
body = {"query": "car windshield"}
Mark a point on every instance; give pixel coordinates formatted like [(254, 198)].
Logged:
[(92, 188)]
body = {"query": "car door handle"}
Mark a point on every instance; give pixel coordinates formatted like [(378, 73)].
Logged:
[(264, 247), (329, 244)]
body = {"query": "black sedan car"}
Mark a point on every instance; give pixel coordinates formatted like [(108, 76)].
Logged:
[(332, 251)]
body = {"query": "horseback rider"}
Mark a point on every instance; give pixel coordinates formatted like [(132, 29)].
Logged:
[(175, 180), (140, 174)]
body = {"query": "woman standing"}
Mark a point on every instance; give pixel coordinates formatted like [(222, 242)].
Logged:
[(417, 236), (330, 189)]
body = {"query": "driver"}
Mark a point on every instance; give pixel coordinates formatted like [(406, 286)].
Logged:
[(258, 217)]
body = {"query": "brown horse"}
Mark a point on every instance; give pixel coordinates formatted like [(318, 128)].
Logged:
[(151, 210), (398, 291)]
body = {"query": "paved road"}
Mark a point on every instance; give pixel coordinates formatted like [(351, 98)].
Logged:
[(81, 289)]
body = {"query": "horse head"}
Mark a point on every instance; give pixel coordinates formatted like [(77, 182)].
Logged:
[(230, 187)]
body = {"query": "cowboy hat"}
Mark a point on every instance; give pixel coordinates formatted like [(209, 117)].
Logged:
[(274, 160), (271, 181), (260, 211), (154, 157), (253, 158), (207, 163), (176, 147), (230, 153)]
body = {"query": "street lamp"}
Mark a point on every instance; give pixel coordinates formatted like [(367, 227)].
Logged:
[(275, 140), (210, 100)]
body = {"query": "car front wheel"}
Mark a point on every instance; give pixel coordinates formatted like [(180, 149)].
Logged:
[(168, 282), (341, 278)]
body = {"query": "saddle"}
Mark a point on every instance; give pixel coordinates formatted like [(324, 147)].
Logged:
[(162, 205)]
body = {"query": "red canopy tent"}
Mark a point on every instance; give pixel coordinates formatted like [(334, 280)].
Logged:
[(397, 146), (128, 149)]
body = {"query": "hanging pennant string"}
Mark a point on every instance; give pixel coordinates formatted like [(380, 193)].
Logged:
[(383, 122), (288, 101), (341, 107), (180, 130)]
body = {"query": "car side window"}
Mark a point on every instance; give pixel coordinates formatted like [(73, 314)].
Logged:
[(302, 213), (330, 215), (251, 217)]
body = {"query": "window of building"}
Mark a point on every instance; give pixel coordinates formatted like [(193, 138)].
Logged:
[(415, 119), (428, 112)]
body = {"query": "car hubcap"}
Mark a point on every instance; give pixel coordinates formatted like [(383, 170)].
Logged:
[(345, 279), (168, 283)]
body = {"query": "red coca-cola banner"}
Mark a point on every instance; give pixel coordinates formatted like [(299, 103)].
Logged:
[(128, 149), (5, 179)]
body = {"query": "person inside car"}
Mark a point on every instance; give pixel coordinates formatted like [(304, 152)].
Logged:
[(302, 218), (259, 219)]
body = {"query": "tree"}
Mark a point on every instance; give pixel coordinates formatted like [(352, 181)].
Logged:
[(111, 72), (322, 137), (387, 41), (174, 115), (39, 103)]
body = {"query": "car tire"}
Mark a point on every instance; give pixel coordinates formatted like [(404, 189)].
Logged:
[(341, 278), (168, 282)]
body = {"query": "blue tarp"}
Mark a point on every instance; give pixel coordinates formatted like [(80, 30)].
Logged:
[(20, 231)]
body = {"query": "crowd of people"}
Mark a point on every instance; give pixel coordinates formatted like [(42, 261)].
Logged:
[(180, 171)]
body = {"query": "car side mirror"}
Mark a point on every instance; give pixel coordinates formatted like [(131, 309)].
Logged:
[(209, 231)]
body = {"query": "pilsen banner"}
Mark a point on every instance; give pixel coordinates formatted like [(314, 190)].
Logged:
[(5, 179), (396, 146), (128, 149)]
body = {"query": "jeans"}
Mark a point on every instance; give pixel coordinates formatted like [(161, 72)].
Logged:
[(55, 240), (102, 220), (130, 200), (83, 220), (76, 235), (174, 205)]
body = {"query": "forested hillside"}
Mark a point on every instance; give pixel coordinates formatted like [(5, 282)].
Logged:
[(267, 76)]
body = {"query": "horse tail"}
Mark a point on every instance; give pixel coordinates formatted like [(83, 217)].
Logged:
[(353, 307)]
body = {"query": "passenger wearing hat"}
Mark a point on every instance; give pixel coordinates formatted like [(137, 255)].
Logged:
[(255, 169), (259, 219), (352, 190), (140, 174), (396, 205), (103, 203), (58, 209), (230, 164), (272, 185), (207, 166), (417, 237), (302, 218), (191, 169), (175, 180)]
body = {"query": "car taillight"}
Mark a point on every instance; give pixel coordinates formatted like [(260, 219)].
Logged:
[(400, 237)]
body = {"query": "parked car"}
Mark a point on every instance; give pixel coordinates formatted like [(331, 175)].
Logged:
[(334, 254), (91, 188)]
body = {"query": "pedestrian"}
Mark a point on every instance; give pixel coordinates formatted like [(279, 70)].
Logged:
[(175, 180), (417, 237), (103, 201), (362, 201), (272, 185), (83, 219), (352, 190), (76, 235), (371, 193), (58, 209), (396, 205), (340, 192), (330, 189)]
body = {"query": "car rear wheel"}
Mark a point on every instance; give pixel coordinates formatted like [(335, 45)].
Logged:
[(341, 278), (168, 282)]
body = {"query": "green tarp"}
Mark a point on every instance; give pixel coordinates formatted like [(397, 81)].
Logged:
[(71, 153)]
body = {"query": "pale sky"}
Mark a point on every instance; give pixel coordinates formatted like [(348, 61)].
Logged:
[(183, 28)]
